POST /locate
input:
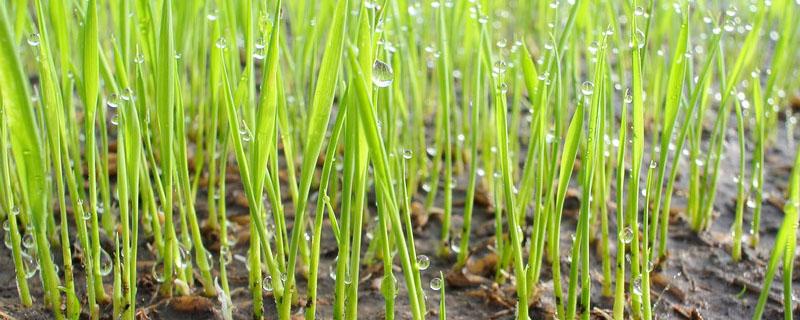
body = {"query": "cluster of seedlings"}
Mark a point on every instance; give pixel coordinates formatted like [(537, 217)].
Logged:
[(351, 118)]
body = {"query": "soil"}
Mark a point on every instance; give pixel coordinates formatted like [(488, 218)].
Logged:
[(697, 281)]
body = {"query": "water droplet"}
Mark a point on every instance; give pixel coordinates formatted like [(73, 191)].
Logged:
[(502, 43), (332, 272), (105, 263), (653, 164), (33, 39), (157, 271), (426, 187), (637, 286), (226, 254), (139, 58), (640, 39), (259, 54), (436, 283), (408, 154), (382, 74), (499, 67), (639, 11), (587, 88), (729, 26), (628, 96), (27, 240), (267, 284), (431, 151), (7, 237), (15, 211), (626, 235), (423, 262), (593, 47), (181, 258), (212, 15), (113, 100), (503, 88), (30, 264), (221, 43), (455, 246)]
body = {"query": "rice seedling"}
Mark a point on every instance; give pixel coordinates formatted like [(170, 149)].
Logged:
[(533, 158)]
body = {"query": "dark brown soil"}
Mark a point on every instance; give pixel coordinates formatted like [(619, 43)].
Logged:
[(697, 281)]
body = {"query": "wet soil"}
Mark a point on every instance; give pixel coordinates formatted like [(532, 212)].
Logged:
[(697, 281)]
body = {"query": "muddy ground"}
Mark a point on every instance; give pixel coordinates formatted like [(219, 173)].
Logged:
[(697, 281)]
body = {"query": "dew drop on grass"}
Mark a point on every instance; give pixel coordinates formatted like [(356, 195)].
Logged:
[(267, 284), (382, 74), (431, 151), (212, 15), (27, 241), (423, 262), (408, 154), (105, 263), (15, 211), (259, 54), (225, 253), (139, 58), (180, 260), (626, 235), (593, 47), (751, 203), (33, 39), (113, 101), (587, 88), (454, 246), (426, 187), (221, 43), (639, 38), (729, 26), (637, 286), (157, 271), (628, 96), (502, 43), (503, 88), (30, 264), (7, 237), (653, 164), (639, 11), (499, 67), (332, 272), (436, 283)]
